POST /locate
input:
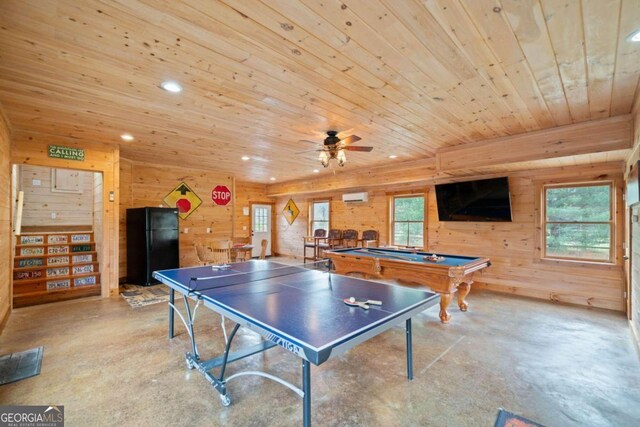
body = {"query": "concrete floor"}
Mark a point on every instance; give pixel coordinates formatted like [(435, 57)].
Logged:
[(109, 364)]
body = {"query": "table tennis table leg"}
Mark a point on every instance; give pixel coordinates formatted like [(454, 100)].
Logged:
[(172, 301), (306, 389), (409, 351)]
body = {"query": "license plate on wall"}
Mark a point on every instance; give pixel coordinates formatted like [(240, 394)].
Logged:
[(80, 248), (77, 259), (57, 238), (79, 269), (58, 271), (58, 260), (22, 275), (58, 284), (31, 240), (52, 250), (84, 281), (32, 251), (30, 262), (80, 238)]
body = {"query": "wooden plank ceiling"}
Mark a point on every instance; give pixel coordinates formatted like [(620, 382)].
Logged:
[(410, 77)]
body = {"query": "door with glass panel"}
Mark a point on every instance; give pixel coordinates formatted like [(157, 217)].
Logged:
[(260, 228)]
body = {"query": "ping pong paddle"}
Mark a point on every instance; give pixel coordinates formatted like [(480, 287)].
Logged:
[(352, 302), (362, 304)]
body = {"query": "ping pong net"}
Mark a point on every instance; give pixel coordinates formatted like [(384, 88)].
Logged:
[(233, 277)]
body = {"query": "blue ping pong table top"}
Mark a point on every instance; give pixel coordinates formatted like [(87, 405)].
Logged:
[(304, 307)]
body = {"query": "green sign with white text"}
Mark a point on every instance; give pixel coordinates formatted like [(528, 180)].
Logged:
[(67, 153)]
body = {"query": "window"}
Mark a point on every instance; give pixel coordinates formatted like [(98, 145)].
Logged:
[(408, 221), (261, 220), (320, 215), (578, 222)]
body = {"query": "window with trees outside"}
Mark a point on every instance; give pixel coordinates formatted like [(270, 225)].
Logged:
[(578, 222), (320, 215), (408, 221)]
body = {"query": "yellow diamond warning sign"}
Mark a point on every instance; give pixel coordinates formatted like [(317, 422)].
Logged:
[(184, 199), (290, 211)]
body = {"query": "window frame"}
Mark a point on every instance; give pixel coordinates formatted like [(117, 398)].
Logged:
[(310, 225), (391, 220), (613, 217)]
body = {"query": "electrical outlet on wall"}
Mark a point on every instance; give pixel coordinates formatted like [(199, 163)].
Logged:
[(54, 215)]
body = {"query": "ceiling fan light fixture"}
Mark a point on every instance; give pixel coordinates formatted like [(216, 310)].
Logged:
[(324, 158), (341, 157)]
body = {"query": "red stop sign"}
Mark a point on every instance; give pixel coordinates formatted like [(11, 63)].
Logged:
[(221, 195)]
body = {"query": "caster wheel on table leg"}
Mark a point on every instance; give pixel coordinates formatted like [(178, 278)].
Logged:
[(190, 363), (226, 400)]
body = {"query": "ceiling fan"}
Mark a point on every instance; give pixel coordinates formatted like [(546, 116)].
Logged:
[(334, 148)]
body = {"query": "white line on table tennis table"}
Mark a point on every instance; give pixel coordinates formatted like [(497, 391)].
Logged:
[(442, 354)]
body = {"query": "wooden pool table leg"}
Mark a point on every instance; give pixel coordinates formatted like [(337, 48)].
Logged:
[(463, 291), (445, 300)]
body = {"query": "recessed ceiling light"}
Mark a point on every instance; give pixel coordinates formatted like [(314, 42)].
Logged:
[(634, 37), (127, 137), (245, 158), (316, 171), (272, 179), (171, 86), (393, 156)]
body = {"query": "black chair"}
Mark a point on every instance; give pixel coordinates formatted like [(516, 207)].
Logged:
[(313, 242)]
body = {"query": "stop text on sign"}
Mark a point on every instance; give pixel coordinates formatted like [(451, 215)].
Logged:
[(221, 195)]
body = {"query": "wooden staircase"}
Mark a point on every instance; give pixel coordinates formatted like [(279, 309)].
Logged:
[(54, 266)]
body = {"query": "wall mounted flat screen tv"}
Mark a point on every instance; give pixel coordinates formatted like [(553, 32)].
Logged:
[(482, 200)]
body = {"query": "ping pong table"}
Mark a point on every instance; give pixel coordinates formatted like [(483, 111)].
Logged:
[(299, 309)]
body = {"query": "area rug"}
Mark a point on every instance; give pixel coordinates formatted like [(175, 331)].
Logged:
[(140, 296), (21, 365), (507, 419)]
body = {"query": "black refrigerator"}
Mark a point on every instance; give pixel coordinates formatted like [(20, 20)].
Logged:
[(152, 243)]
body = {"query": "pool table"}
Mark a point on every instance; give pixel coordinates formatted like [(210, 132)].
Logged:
[(444, 276)]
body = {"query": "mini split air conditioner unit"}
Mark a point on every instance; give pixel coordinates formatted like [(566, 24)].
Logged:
[(355, 197)]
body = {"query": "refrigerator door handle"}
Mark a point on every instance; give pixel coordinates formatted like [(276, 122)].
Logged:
[(150, 239)]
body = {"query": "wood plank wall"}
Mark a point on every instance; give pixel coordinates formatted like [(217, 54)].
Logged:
[(511, 246), (360, 216), (5, 219), (29, 148), (246, 194), (40, 202), (634, 252), (146, 185), (635, 274)]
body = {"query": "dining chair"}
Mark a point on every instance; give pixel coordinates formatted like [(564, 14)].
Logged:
[(221, 251), (369, 238), (350, 238), (312, 242)]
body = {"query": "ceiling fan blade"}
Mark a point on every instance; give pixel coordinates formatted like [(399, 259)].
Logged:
[(350, 140), (309, 151), (350, 148), (306, 140)]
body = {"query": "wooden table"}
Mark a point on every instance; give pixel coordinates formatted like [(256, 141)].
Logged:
[(240, 252), (453, 273)]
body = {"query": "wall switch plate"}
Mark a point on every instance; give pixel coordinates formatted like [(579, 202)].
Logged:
[(208, 230), (112, 196), (54, 215), (185, 230), (244, 228)]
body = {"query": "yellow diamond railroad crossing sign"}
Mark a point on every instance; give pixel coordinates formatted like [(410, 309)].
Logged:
[(184, 199), (291, 211)]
